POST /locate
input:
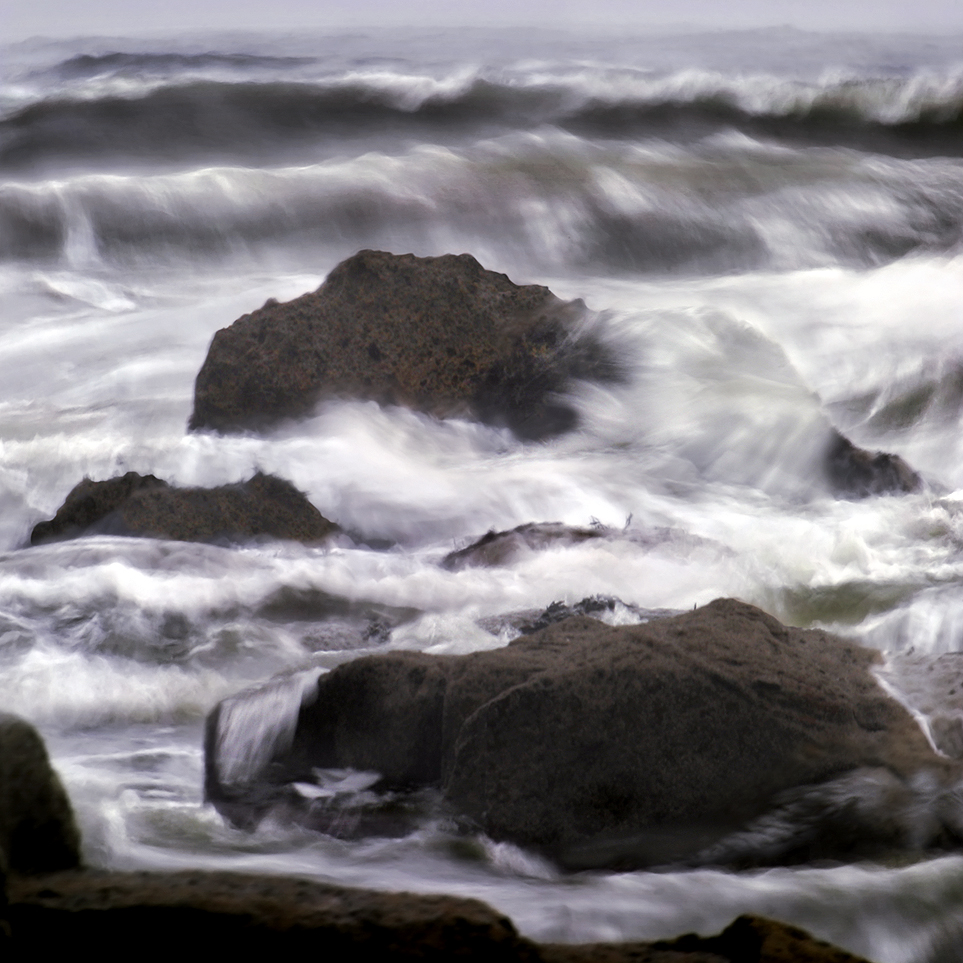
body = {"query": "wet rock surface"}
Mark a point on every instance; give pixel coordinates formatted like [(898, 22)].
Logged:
[(856, 473), (441, 335), (37, 828), (142, 505), (271, 913), (637, 745)]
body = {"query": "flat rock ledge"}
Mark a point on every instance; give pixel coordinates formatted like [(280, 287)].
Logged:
[(438, 334), (719, 736), (142, 505), (271, 914)]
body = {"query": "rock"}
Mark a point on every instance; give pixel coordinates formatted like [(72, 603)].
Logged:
[(748, 939), (145, 506), (255, 914), (276, 914), (641, 744), (754, 939), (859, 473), (439, 334), (501, 548), (37, 829)]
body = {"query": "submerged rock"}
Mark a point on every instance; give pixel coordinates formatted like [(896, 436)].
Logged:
[(37, 829), (439, 334), (859, 473), (500, 548), (146, 506), (635, 745)]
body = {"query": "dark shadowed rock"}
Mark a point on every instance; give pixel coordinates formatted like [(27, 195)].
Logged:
[(440, 334), (748, 939), (500, 548), (859, 473), (242, 915), (264, 506), (638, 745), (273, 914), (37, 829)]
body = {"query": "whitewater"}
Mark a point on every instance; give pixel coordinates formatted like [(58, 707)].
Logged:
[(766, 228)]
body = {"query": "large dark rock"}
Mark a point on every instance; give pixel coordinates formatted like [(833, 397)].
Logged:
[(37, 829), (146, 506), (857, 473), (274, 914), (439, 334), (243, 915), (640, 744)]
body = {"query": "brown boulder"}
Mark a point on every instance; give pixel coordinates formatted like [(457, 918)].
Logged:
[(37, 829), (145, 506), (439, 334), (635, 745)]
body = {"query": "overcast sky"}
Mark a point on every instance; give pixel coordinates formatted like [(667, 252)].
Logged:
[(24, 18)]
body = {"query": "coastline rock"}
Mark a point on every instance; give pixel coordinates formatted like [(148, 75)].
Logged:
[(256, 914), (748, 939), (636, 745), (275, 914), (441, 335), (146, 506), (501, 548), (37, 829), (859, 473)]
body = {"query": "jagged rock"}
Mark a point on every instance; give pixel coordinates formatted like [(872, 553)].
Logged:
[(635, 745), (859, 473), (149, 507), (37, 829), (440, 334)]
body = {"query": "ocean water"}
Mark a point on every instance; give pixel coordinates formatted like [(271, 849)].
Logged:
[(766, 227)]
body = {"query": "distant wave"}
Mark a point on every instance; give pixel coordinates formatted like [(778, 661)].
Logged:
[(558, 200), (921, 115), (91, 65)]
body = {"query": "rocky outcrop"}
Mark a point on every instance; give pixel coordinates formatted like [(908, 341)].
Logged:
[(272, 914), (439, 334), (37, 829), (265, 914), (264, 506), (856, 473), (636, 745)]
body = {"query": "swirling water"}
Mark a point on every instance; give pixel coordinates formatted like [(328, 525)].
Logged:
[(767, 229)]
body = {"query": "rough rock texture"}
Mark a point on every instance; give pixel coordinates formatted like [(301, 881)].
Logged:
[(146, 506), (248, 914), (748, 939), (633, 745), (859, 473), (37, 829), (440, 334)]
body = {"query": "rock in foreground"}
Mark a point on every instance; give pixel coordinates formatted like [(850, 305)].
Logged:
[(439, 334), (132, 504), (272, 914), (637, 745), (37, 828)]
